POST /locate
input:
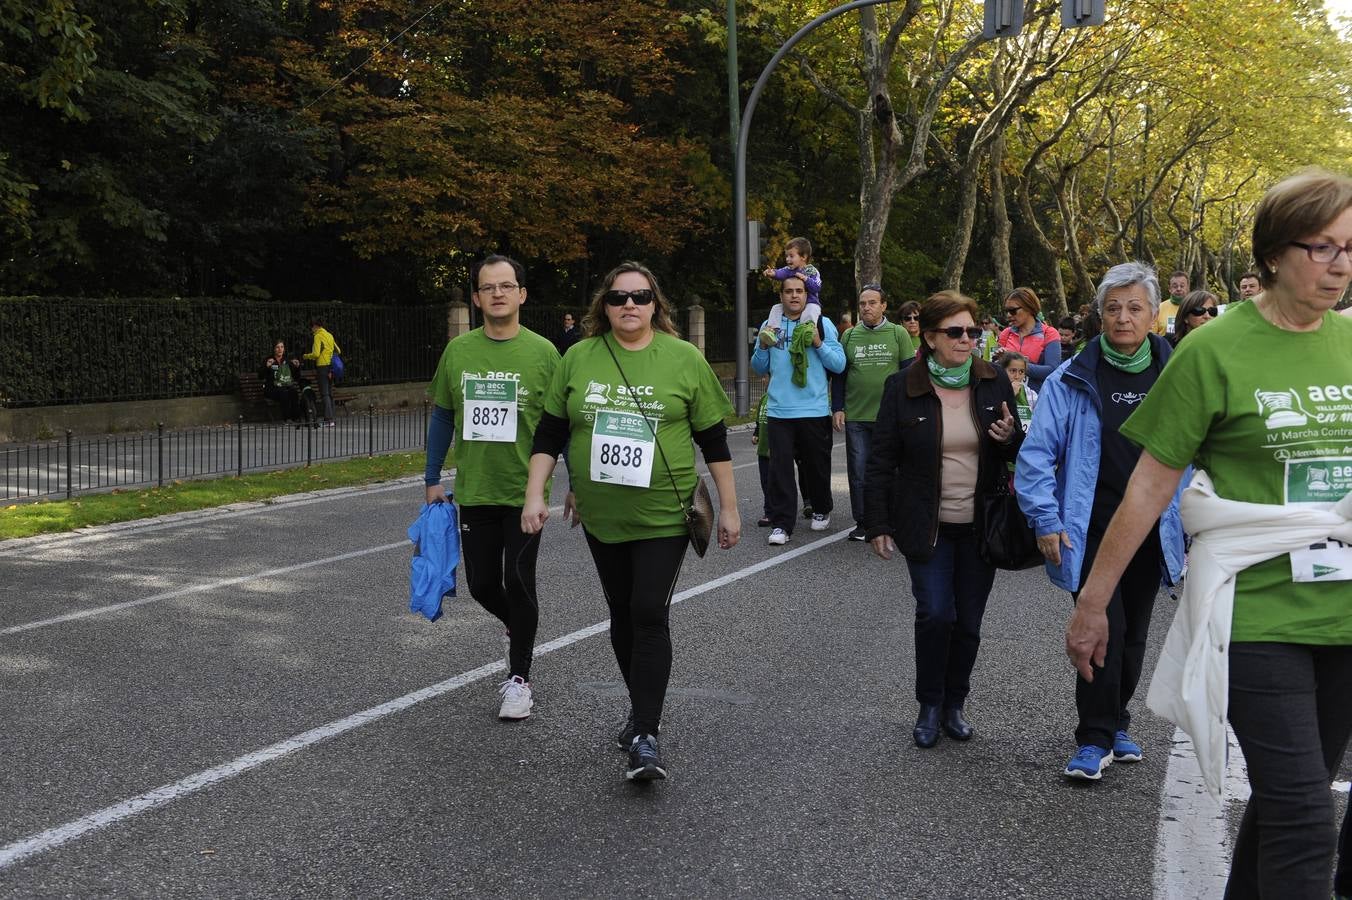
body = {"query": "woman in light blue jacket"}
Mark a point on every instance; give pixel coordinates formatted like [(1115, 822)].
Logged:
[(1070, 477)]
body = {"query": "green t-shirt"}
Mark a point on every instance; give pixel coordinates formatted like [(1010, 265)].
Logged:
[(502, 384), (674, 386), (870, 356), (762, 435), (1268, 414)]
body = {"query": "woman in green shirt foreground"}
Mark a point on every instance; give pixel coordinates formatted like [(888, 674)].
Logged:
[(627, 400), (1277, 433)]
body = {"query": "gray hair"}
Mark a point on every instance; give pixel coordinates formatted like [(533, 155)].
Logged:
[(1125, 275)]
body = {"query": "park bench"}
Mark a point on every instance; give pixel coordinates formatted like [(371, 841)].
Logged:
[(251, 392)]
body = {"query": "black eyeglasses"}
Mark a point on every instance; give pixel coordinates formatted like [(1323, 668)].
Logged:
[(1321, 253), (505, 287), (913, 317), (956, 332), (1205, 311), (640, 298)]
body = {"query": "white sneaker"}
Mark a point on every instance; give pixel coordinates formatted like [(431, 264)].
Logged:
[(516, 699), (820, 521), (778, 537)]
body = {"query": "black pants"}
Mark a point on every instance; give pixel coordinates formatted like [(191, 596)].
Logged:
[(809, 441), (325, 390), (287, 396), (1290, 710), (1102, 703), (638, 578), (763, 463), (500, 567)]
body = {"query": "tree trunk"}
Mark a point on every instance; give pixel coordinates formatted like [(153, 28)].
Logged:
[(1001, 229), (1048, 248), (962, 232)]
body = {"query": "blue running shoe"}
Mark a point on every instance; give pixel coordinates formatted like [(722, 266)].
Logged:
[(645, 762), (1088, 763), (1125, 749)]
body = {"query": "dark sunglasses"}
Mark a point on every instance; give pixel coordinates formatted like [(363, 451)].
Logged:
[(1205, 311), (1011, 310), (956, 332), (640, 298), (911, 318)]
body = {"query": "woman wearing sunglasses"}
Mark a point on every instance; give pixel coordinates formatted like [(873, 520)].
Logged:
[(944, 436), (627, 400), (1029, 335), (1072, 472), (1198, 308), (909, 317)]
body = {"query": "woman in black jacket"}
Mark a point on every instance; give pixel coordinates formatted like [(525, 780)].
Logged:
[(944, 435)]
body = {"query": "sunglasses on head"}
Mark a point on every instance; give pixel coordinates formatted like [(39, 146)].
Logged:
[(640, 298), (956, 332), (1205, 311)]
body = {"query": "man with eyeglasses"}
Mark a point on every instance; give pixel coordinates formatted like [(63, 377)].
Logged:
[(798, 413), (489, 389), (570, 334), (1168, 312), (874, 349)]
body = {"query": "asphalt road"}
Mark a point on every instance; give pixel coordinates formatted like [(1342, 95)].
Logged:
[(786, 732)]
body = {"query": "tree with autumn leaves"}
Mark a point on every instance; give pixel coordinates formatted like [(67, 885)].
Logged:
[(369, 150)]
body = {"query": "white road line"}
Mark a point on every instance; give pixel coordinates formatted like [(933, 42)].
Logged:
[(224, 582), (55, 837), (197, 589), (1192, 847), (1343, 786), (28, 546)]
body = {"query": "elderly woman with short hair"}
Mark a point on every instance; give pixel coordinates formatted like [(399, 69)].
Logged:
[(1071, 474)]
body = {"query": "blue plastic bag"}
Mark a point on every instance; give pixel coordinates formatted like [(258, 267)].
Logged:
[(336, 367), (431, 573)]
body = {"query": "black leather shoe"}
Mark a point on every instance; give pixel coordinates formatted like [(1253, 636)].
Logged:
[(955, 725), (926, 731)]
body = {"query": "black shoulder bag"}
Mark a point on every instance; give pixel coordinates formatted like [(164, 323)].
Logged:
[(699, 509)]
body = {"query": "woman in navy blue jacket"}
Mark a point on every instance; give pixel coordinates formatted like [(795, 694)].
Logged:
[(944, 437), (1071, 475)]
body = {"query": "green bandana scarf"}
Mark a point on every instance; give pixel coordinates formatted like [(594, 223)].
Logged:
[(956, 377), (1137, 362)]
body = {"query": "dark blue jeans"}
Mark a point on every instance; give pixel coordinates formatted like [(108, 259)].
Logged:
[(858, 442), (951, 590)]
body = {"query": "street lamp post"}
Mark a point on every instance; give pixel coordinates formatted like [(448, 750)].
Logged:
[(742, 385)]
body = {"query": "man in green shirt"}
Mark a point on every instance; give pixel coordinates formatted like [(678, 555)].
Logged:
[(874, 349), (489, 389)]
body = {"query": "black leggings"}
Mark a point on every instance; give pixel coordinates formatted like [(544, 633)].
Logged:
[(638, 579), (1289, 709), (500, 567)]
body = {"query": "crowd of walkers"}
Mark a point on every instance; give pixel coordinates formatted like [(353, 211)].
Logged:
[(1134, 449)]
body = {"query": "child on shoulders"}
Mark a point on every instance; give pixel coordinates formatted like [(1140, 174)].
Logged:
[(797, 256)]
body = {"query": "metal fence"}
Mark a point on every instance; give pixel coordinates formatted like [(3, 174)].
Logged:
[(57, 350), (70, 466)]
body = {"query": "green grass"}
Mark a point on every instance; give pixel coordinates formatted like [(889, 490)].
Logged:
[(51, 516)]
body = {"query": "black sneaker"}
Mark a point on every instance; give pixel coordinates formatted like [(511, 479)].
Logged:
[(625, 738), (645, 763), (807, 510), (858, 533)]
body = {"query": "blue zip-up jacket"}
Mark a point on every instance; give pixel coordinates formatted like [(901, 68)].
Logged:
[(1058, 466), (788, 400), (431, 574)]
